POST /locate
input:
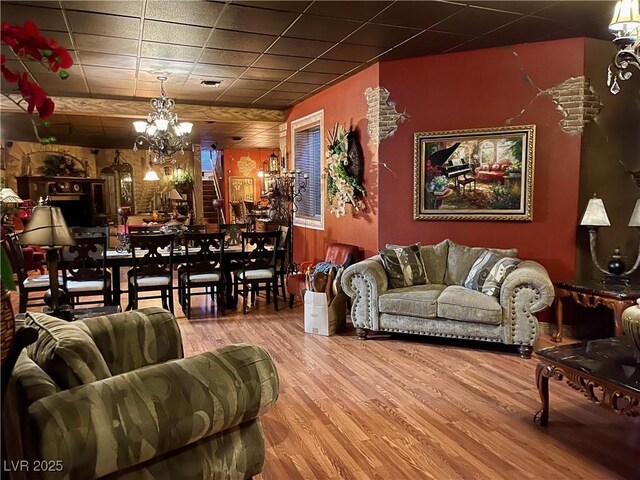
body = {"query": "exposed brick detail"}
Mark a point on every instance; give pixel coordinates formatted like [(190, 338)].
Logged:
[(578, 102), (382, 117)]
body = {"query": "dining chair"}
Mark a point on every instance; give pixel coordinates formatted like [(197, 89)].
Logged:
[(233, 232), (282, 259), (203, 269), (152, 268), (144, 229), (259, 269), (195, 229), (84, 271)]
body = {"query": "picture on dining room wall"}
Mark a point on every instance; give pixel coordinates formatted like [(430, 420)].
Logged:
[(479, 174)]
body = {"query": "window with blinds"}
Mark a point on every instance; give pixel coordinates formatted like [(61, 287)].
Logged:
[(308, 159)]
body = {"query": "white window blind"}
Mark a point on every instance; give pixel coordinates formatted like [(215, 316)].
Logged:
[(308, 160)]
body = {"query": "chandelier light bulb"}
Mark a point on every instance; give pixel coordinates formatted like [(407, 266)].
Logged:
[(151, 130), (162, 124), (140, 126), (186, 127)]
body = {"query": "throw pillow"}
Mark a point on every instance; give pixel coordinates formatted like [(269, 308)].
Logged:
[(461, 258), (65, 352), (489, 271), (434, 258), (403, 266)]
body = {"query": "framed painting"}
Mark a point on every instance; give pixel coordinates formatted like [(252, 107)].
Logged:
[(480, 174)]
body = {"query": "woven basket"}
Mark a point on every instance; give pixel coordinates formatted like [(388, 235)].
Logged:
[(7, 325)]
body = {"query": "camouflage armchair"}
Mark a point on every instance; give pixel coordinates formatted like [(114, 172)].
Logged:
[(112, 397)]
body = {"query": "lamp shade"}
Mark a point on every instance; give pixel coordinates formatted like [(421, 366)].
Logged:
[(151, 175), (174, 195), (140, 126), (635, 216), (7, 195), (626, 16), (47, 227), (595, 215)]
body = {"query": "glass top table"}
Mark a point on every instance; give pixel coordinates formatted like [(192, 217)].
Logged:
[(605, 370)]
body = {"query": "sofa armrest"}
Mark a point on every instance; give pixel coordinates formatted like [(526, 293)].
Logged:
[(135, 339), (525, 291), (364, 282), (113, 424)]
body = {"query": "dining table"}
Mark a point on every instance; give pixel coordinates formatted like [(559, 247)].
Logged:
[(231, 260)]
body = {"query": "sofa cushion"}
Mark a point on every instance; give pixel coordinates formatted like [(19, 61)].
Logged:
[(403, 266), (461, 258), (415, 301), (489, 272), (65, 352), (460, 303), (434, 258)]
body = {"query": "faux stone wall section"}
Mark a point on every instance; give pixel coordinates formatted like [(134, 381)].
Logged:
[(578, 102), (382, 116)]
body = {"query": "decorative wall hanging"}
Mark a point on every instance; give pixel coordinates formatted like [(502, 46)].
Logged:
[(62, 165), (480, 174), (344, 171), (246, 165)]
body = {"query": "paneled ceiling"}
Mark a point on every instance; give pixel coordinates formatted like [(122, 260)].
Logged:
[(266, 54)]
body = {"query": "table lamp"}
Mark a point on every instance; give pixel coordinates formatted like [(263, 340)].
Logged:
[(8, 199), (594, 217), (48, 229)]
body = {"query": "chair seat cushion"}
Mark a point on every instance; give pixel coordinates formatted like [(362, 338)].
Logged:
[(258, 274), (38, 281), (85, 286), (151, 281), (415, 301), (65, 352), (202, 277), (462, 304)]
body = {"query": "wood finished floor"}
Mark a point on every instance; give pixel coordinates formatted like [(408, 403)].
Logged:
[(410, 408)]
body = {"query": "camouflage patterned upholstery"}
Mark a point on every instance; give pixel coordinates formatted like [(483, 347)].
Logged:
[(191, 418)]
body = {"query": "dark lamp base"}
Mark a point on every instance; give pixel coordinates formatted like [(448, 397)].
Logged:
[(616, 280)]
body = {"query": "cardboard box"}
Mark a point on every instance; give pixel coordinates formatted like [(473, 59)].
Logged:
[(323, 319)]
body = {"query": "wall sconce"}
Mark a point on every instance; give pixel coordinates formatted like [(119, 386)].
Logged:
[(594, 217)]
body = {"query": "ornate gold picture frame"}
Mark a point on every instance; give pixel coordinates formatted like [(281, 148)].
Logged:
[(482, 174)]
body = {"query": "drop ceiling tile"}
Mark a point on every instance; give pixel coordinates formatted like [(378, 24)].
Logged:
[(417, 14), (272, 103), (107, 60), (309, 77), (322, 28), (101, 44), (257, 20), (165, 32), (218, 71), (262, 85), (521, 6), (521, 30), (427, 43), (95, 82), (112, 92), (108, 25), (282, 62), (241, 93), (149, 81), (267, 74), (331, 66), (381, 35), (298, 47), (585, 13), (109, 73), (170, 51), (121, 7), (243, 41), (194, 13), (63, 38), (282, 95), (287, 6), (228, 57), (353, 53), (354, 10), (44, 18), (297, 87), (475, 21), (164, 66)]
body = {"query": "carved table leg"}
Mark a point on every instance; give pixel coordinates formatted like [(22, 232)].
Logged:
[(558, 335), (361, 333), (542, 381)]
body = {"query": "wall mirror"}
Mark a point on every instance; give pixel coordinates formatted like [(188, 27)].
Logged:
[(119, 185)]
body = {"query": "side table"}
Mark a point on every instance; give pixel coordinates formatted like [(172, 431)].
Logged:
[(591, 294)]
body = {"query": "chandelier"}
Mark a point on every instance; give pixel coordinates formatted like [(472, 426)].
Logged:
[(161, 131), (626, 25)]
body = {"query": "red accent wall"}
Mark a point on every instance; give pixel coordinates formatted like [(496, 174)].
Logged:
[(478, 89), (343, 103), (231, 169)]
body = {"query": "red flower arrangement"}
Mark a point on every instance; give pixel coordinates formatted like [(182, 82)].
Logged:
[(27, 41)]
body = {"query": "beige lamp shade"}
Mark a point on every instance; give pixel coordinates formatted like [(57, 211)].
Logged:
[(595, 215), (174, 195), (635, 216), (626, 16), (47, 227), (7, 195)]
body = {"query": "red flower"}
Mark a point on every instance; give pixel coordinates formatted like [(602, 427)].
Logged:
[(36, 97), (9, 75)]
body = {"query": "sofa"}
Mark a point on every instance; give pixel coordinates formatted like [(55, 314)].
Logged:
[(112, 397), (494, 172), (443, 307)]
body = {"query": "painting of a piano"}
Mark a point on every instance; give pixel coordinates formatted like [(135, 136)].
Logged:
[(481, 174)]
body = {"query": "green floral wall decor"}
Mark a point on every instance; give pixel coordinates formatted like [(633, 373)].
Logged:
[(342, 186)]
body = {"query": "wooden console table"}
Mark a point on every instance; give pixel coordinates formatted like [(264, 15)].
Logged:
[(591, 293), (604, 371)]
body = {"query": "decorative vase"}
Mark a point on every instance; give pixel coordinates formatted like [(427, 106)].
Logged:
[(631, 324), (7, 325)]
